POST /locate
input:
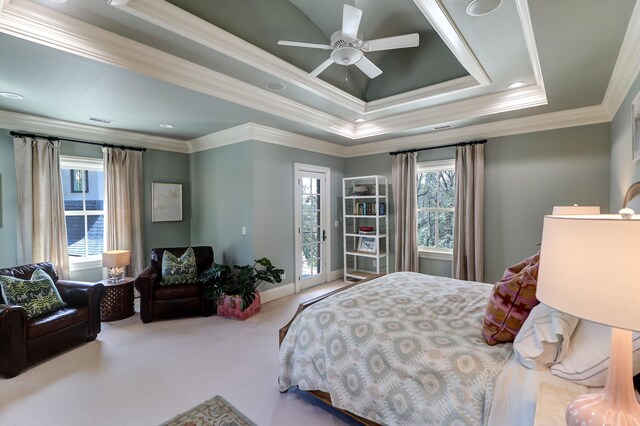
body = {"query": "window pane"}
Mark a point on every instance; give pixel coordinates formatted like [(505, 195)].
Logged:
[(311, 202), (72, 200), (426, 229), (75, 236), (94, 197), (427, 187), (446, 188), (445, 230), (95, 231)]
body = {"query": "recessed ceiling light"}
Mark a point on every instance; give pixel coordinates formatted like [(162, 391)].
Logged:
[(167, 126), (10, 95), (482, 7), (276, 87), (101, 120), (516, 84), (360, 120)]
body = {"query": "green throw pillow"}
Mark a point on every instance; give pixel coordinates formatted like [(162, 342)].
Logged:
[(38, 295), (181, 270)]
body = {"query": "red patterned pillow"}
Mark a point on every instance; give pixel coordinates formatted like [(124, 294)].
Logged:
[(512, 299)]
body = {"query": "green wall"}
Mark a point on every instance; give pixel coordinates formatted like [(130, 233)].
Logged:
[(525, 176), (158, 166), (251, 184), (624, 171)]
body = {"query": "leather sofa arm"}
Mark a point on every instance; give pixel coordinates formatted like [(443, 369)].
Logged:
[(147, 280), (13, 339), (77, 293)]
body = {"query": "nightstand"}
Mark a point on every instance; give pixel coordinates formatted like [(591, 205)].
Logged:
[(552, 402), (117, 302)]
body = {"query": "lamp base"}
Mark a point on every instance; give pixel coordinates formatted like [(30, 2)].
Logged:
[(115, 275), (598, 409), (617, 403)]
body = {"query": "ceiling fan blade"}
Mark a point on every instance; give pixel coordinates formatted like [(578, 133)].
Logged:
[(397, 42), (323, 66), (299, 44), (368, 67), (351, 17)]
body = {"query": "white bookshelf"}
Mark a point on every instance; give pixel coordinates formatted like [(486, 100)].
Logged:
[(365, 204)]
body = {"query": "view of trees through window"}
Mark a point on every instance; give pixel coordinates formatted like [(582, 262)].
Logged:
[(436, 202)]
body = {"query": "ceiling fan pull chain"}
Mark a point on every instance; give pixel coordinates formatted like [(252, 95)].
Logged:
[(346, 76)]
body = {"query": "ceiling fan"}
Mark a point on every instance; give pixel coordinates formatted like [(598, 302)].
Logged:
[(348, 48)]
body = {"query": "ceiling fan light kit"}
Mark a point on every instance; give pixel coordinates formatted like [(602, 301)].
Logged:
[(348, 48)]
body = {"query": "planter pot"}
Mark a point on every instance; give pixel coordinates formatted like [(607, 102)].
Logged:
[(230, 307)]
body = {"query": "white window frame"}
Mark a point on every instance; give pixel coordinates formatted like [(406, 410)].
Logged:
[(90, 164), (430, 167)]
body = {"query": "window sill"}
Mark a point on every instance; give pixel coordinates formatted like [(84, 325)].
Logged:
[(83, 265), (436, 255)]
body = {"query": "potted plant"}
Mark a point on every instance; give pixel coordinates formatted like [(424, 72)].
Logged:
[(233, 288)]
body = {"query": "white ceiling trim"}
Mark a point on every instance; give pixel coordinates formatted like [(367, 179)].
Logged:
[(66, 129), (627, 65), (258, 132), (176, 20), (530, 40), (42, 25), (437, 15), (475, 107), (535, 123)]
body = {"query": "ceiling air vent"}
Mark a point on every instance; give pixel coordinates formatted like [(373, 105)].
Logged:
[(100, 120), (443, 127)]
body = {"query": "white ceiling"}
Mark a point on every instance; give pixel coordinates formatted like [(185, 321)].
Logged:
[(146, 62)]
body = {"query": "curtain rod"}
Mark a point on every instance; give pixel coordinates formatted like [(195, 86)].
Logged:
[(478, 142), (54, 138)]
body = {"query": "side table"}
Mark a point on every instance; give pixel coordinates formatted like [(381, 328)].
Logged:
[(117, 302)]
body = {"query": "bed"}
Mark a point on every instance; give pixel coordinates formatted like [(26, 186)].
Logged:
[(407, 348), (404, 348)]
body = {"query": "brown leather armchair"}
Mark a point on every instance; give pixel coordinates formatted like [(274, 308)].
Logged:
[(24, 342), (159, 301)]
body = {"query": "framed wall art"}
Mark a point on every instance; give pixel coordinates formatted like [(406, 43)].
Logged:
[(367, 244), (166, 202)]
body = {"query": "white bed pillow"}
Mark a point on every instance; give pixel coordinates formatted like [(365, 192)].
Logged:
[(544, 337), (587, 359)]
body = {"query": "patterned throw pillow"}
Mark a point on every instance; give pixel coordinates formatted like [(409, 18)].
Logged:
[(512, 299), (37, 296), (180, 270)]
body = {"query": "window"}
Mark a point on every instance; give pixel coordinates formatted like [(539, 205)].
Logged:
[(83, 186), (436, 181), (79, 180)]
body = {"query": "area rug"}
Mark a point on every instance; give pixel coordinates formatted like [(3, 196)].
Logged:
[(215, 412)]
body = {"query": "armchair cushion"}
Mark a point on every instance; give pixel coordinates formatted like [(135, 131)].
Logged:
[(169, 292), (56, 320), (38, 295), (180, 270)]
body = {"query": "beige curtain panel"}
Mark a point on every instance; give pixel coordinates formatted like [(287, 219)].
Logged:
[(403, 173), (123, 204), (468, 239), (42, 229)]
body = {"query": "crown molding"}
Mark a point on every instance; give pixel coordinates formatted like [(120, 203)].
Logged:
[(261, 133), (627, 65), (535, 123), (42, 25), (530, 40), (475, 107), (437, 15), (66, 129)]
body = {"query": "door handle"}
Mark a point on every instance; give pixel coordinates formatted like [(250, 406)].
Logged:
[(324, 235)]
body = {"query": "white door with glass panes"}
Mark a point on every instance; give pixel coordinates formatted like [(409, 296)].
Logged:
[(311, 225)]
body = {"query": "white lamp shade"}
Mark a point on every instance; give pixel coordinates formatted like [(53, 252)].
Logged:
[(589, 268), (575, 209), (115, 258)]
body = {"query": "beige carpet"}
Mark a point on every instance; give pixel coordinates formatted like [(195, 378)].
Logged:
[(144, 374)]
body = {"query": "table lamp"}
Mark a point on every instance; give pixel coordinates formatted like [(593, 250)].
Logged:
[(115, 261), (589, 268), (576, 209)]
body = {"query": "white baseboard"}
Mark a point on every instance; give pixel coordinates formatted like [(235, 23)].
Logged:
[(335, 275), (277, 292)]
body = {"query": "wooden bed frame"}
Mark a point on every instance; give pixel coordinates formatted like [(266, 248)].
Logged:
[(324, 396)]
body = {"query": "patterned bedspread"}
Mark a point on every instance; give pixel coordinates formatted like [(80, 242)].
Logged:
[(404, 349)]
